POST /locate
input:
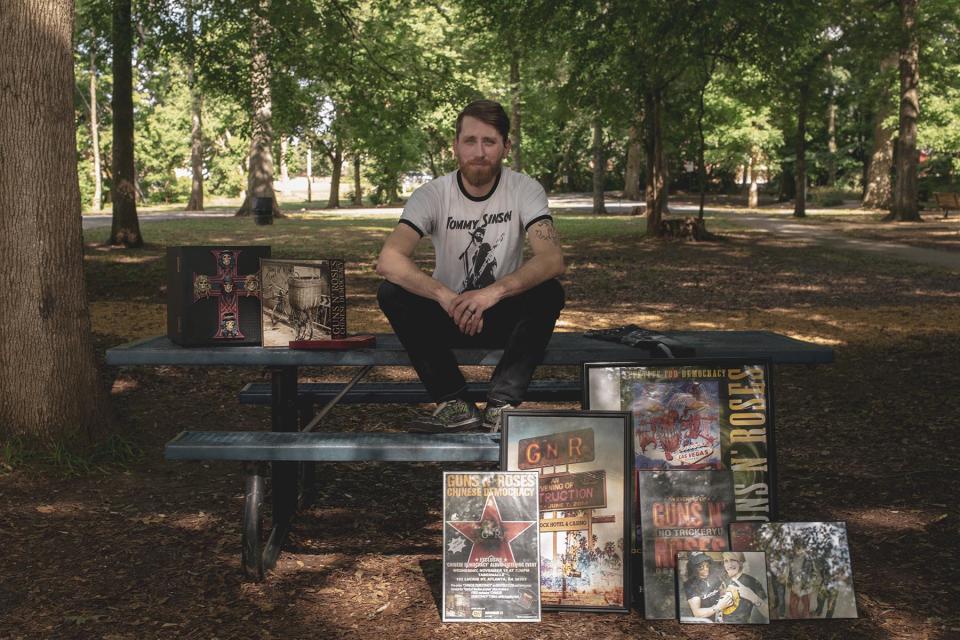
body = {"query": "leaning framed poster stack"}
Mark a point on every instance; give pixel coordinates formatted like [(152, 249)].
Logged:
[(304, 301), (490, 547), (584, 465), (694, 415)]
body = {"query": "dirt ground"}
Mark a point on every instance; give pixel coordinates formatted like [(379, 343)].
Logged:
[(151, 549)]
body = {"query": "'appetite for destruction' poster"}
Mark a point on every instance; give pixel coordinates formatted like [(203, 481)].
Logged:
[(491, 547)]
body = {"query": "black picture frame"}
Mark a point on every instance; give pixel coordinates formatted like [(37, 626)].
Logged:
[(751, 505), (553, 434)]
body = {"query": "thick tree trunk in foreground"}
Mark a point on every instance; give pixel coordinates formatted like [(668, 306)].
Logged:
[(906, 204), (357, 186), (97, 203), (125, 228), (515, 161), (656, 188), (800, 161), (260, 164), (878, 188), (51, 390), (599, 173), (631, 177), (336, 160)]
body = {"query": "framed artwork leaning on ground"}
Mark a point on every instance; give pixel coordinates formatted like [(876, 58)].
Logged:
[(585, 519)]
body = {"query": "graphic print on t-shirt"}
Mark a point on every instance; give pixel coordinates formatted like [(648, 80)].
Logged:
[(478, 259)]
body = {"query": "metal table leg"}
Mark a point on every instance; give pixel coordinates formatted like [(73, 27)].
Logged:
[(284, 474)]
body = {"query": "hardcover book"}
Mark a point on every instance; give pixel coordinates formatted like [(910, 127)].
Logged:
[(491, 547), (679, 511), (808, 567), (726, 588), (303, 301), (213, 295)]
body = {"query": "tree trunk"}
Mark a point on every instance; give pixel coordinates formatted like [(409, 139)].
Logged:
[(800, 162), (196, 145), (599, 175), (878, 185), (97, 203), (260, 166), (516, 163), (196, 121), (831, 128), (656, 188), (357, 186), (51, 389), (753, 198), (309, 174), (631, 178), (336, 160), (125, 228), (701, 147), (906, 205), (284, 149)]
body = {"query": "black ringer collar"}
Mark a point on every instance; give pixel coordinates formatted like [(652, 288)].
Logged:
[(483, 197)]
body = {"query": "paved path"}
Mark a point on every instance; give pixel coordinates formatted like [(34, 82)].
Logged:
[(104, 219)]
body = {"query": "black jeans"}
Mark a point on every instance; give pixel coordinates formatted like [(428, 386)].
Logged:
[(521, 326)]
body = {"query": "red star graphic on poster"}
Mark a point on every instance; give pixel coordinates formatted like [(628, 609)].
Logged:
[(491, 535)]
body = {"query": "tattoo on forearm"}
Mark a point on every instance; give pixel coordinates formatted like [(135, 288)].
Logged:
[(546, 231)]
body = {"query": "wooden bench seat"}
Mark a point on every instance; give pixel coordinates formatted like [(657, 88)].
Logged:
[(948, 201)]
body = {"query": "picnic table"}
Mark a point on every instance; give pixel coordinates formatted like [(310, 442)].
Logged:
[(292, 440)]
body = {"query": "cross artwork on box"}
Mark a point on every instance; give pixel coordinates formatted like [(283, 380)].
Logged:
[(303, 301), (213, 295), (226, 286)]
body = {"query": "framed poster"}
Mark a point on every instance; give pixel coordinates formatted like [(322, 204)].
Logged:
[(722, 588), (697, 414), (490, 547), (304, 301), (583, 463), (808, 564), (679, 510)]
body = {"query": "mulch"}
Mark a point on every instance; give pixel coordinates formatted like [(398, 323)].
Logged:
[(151, 549)]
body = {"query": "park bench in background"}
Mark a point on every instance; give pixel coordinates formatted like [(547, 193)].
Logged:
[(948, 201), (293, 444)]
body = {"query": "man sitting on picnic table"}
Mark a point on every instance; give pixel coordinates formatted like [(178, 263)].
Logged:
[(482, 293)]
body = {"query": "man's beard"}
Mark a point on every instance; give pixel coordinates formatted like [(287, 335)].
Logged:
[(479, 175)]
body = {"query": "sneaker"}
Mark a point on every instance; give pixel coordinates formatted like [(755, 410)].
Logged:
[(493, 416), (451, 416)]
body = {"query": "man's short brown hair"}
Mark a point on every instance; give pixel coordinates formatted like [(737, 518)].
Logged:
[(488, 111)]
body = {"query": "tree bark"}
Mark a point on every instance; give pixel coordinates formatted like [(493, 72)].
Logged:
[(309, 174), (878, 183), (51, 389), (97, 203), (800, 162), (357, 186), (125, 227), (656, 188), (631, 178), (906, 204), (196, 121), (753, 197), (336, 160), (515, 135), (284, 149), (260, 165), (599, 173), (831, 128)]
